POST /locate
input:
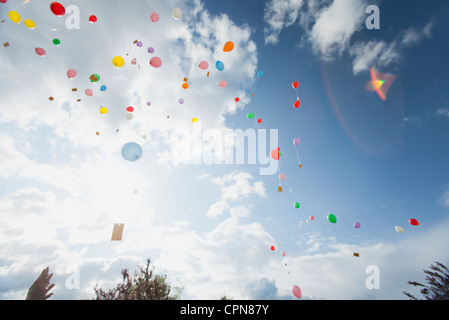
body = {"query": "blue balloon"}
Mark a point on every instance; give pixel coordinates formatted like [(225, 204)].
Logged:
[(260, 74), (131, 151), (219, 65), (103, 88)]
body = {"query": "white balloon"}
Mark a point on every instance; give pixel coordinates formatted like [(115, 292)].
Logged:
[(177, 13)]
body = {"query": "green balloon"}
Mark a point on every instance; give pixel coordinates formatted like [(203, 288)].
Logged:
[(250, 115), (280, 153), (332, 218), (297, 205), (56, 42)]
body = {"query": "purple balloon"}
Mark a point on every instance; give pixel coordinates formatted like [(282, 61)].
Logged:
[(148, 103), (357, 225), (150, 50), (296, 141), (181, 101), (139, 44)]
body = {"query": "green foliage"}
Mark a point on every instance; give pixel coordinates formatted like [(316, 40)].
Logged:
[(145, 285)]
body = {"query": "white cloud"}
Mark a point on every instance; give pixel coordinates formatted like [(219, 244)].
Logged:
[(329, 27)]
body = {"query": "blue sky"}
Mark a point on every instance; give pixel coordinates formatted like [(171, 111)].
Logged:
[(209, 227)]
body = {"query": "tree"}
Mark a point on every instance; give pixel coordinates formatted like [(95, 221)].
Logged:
[(145, 285), (438, 284)]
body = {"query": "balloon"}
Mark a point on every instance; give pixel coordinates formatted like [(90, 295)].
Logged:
[(92, 19), (154, 17), (356, 225), (148, 103), (150, 50), (219, 65), (139, 44), (94, 78), (332, 218), (103, 110), (40, 52), (130, 109), (282, 176), (275, 154), (156, 62), (250, 115), (89, 92), (129, 116), (229, 46), (177, 13), (57, 9), (14, 16), (204, 65), (29, 24), (296, 141), (237, 99), (181, 101), (297, 205), (185, 85), (414, 222), (223, 84), (295, 84), (103, 88), (296, 291), (56, 42), (296, 104), (399, 229), (283, 253), (118, 62), (272, 248), (71, 74), (194, 120), (260, 74), (312, 217), (259, 120), (131, 151)]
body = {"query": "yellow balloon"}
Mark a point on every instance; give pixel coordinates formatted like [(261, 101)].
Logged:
[(29, 24), (103, 110), (194, 120), (118, 62), (14, 16)]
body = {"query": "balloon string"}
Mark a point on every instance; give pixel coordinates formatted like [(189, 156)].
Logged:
[(297, 155)]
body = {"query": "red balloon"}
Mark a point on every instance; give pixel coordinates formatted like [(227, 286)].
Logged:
[(296, 291), (57, 9), (259, 120), (414, 222), (275, 154), (130, 109), (237, 99), (295, 84), (296, 104), (272, 248), (92, 19)]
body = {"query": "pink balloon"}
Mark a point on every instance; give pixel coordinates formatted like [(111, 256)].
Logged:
[(156, 62), (283, 253), (40, 52), (312, 218), (282, 176), (296, 291), (154, 17), (223, 84), (204, 65), (275, 154), (71, 74), (296, 141), (89, 92)]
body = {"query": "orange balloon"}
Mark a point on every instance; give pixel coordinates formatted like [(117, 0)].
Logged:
[(185, 85), (229, 46)]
